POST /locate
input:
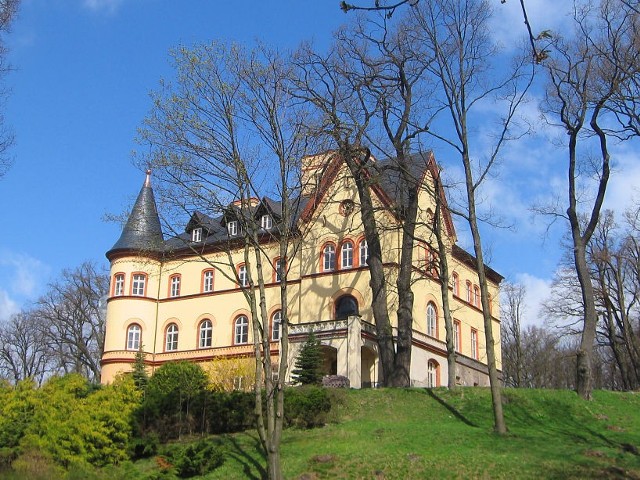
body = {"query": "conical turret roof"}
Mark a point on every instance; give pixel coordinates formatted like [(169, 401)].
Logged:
[(142, 231)]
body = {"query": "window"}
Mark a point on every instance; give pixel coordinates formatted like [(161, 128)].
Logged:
[(133, 337), (432, 323), (243, 278), (432, 374), (196, 235), (174, 286), (206, 334), (431, 262), (118, 284), (474, 344), (207, 281), (469, 293), (456, 284), (456, 335), (476, 295), (364, 253), (241, 330), (232, 228), (279, 270), (172, 338), (138, 284), (266, 222), (276, 323), (346, 254), (346, 306), (328, 258)]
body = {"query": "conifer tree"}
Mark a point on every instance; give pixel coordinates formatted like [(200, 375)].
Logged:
[(308, 365), (139, 374)]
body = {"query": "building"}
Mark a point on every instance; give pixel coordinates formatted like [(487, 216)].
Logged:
[(180, 298)]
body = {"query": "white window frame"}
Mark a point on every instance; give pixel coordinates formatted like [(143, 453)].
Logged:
[(175, 285), (196, 234), (364, 253), (232, 228), (276, 326), (138, 284), (207, 281), (469, 292), (432, 374), (346, 255), (134, 333), (279, 268), (456, 284), (171, 344), (432, 320), (474, 344), (243, 277), (118, 287), (329, 258), (241, 330), (206, 334), (266, 222), (457, 327)]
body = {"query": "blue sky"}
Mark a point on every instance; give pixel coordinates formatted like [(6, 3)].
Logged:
[(84, 69)]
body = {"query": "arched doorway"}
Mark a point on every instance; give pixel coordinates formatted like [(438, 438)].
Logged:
[(345, 306), (368, 367)]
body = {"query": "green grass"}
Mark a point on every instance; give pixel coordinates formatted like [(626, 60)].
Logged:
[(416, 433)]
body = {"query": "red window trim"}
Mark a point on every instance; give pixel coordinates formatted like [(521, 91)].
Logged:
[(213, 277), (146, 283), (335, 256), (171, 277), (339, 255), (113, 285)]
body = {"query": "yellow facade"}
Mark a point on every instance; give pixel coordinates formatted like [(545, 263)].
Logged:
[(349, 344)]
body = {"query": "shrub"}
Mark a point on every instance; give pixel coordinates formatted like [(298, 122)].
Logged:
[(144, 447), (196, 458), (306, 407)]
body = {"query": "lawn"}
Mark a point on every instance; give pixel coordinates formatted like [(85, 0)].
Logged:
[(418, 433)]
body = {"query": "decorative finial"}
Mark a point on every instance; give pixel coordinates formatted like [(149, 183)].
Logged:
[(147, 182)]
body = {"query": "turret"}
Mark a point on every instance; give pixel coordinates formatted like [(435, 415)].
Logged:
[(142, 232)]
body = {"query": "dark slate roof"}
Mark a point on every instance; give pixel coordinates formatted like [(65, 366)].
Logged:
[(142, 231), (392, 181)]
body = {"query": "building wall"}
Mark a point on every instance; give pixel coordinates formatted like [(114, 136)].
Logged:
[(312, 294)]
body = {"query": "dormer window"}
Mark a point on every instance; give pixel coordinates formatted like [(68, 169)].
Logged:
[(232, 228), (266, 222), (196, 235)]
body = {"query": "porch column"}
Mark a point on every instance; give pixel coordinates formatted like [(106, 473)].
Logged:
[(354, 353)]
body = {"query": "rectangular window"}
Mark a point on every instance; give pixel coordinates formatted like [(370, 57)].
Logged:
[(207, 281), (243, 278), (456, 335), (279, 270), (476, 296), (232, 228), (469, 293), (196, 235), (118, 286), (175, 286), (266, 222), (474, 344), (138, 284)]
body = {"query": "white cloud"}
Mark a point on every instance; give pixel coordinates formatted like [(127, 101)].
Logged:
[(537, 291), (21, 274), (109, 6), (7, 306), (624, 183)]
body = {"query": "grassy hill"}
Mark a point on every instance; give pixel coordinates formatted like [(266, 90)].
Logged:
[(416, 433)]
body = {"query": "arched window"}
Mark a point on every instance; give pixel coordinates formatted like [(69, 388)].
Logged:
[(474, 344), (328, 257), (346, 306), (431, 262), (276, 324), (243, 278), (432, 320), (279, 269), (171, 344), (457, 336), (138, 284), (174, 285), (241, 330), (433, 374), (118, 284), (469, 292), (205, 334), (346, 255), (133, 337), (476, 295), (363, 253), (207, 281), (456, 284)]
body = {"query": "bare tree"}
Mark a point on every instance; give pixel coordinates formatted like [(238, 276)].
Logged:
[(512, 308), (71, 314), (8, 11), (592, 94), (461, 60), (226, 130), (24, 351)]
